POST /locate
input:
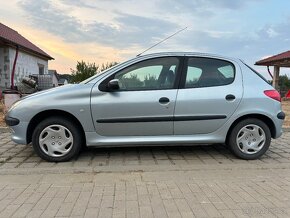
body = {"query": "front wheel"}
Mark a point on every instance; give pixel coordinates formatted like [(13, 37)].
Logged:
[(56, 139), (250, 139)]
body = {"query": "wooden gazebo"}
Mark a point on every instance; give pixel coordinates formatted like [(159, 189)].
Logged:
[(279, 60)]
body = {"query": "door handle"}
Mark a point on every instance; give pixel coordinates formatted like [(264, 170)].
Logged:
[(230, 97), (164, 100)]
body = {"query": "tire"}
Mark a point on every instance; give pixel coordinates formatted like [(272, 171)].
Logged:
[(250, 139), (57, 139)]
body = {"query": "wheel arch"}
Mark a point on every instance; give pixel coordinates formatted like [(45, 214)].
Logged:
[(261, 117), (50, 113)]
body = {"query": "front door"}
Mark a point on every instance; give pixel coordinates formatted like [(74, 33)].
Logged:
[(210, 92), (144, 103)]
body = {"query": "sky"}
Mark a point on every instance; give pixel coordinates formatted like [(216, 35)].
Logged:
[(105, 30)]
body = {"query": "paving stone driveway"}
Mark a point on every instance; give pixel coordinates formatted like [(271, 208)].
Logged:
[(202, 181), (13, 156)]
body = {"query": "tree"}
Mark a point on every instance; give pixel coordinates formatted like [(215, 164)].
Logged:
[(107, 65), (85, 70), (284, 82)]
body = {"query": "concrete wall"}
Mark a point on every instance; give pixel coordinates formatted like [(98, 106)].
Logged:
[(26, 65), (4, 67), (54, 81)]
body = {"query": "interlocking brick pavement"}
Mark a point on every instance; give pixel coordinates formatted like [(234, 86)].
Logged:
[(180, 181), (22, 157)]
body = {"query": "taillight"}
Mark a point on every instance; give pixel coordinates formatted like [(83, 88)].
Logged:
[(274, 94)]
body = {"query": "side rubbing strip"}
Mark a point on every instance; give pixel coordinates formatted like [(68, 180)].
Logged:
[(136, 120), (192, 118), (161, 119)]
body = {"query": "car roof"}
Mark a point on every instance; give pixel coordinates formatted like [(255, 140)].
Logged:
[(198, 54)]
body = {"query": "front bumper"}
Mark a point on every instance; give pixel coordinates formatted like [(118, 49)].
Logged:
[(19, 133), (10, 121)]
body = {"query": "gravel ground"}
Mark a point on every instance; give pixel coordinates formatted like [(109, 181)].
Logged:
[(286, 109)]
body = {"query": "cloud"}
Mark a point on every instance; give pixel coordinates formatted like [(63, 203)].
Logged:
[(127, 30), (80, 3), (214, 26), (203, 6)]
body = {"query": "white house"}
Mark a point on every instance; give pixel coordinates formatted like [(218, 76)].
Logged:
[(62, 82), (19, 57), (54, 77)]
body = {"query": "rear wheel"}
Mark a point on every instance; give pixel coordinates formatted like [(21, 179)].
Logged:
[(57, 139), (250, 139)]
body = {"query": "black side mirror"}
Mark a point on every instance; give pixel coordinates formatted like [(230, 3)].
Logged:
[(113, 84)]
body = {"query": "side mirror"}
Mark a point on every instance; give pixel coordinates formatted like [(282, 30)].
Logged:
[(113, 84)]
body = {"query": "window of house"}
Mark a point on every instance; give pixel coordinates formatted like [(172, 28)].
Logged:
[(207, 72), (41, 69), (6, 58)]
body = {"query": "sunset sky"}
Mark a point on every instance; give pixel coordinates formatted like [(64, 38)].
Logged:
[(106, 30)]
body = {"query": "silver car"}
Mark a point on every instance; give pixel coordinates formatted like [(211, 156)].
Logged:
[(156, 99)]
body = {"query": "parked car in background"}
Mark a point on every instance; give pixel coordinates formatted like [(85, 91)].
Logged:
[(157, 99)]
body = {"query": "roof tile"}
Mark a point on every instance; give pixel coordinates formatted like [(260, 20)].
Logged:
[(275, 58), (12, 36)]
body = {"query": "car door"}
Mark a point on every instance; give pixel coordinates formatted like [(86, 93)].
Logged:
[(210, 92), (144, 103)]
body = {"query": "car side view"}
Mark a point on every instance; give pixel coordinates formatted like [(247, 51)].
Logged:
[(156, 99)]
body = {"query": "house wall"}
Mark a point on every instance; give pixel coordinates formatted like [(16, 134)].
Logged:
[(54, 80), (4, 67), (26, 65)]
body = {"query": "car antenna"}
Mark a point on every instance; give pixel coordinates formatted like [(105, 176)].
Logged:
[(161, 41)]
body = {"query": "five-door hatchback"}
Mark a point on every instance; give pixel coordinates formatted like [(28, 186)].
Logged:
[(157, 99)]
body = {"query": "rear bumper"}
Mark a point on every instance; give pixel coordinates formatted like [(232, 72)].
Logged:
[(278, 124), (281, 115)]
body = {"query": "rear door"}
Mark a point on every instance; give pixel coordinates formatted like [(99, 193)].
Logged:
[(210, 92)]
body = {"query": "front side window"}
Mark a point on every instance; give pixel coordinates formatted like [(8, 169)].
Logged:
[(208, 72), (159, 73)]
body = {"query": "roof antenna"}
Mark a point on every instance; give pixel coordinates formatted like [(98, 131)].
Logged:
[(161, 41)]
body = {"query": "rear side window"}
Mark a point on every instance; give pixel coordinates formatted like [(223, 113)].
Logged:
[(192, 76), (208, 72)]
